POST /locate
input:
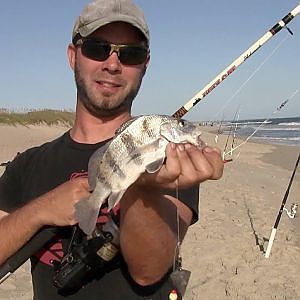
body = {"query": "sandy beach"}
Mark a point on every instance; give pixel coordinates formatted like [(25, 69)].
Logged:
[(225, 249)]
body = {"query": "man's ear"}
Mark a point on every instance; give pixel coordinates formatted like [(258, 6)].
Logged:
[(146, 64), (71, 55)]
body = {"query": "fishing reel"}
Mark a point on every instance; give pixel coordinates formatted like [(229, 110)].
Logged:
[(84, 259), (292, 213)]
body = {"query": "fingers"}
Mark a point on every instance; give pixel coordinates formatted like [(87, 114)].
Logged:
[(58, 204), (173, 165), (167, 175), (214, 157), (186, 165), (194, 164), (79, 186), (198, 165)]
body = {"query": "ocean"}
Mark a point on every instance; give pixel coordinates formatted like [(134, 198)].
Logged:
[(282, 131)]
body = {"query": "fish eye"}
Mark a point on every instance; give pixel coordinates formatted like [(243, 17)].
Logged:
[(181, 123)]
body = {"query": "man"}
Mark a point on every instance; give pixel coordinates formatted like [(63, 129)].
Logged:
[(109, 55)]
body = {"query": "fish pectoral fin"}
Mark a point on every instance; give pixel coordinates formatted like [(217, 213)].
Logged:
[(87, 209), (114, 198), (155, 166)]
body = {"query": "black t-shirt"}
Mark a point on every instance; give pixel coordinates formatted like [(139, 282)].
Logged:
[(40, 169)]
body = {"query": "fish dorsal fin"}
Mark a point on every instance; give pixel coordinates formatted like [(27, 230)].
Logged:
[(125, 125)]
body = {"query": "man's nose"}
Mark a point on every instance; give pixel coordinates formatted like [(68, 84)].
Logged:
[(112, 63)]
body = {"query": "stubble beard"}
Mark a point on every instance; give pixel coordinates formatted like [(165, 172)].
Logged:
[(101, 105)]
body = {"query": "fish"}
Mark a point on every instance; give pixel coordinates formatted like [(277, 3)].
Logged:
[(138, 146)]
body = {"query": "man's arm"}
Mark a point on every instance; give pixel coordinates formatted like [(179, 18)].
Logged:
[(148, 229), (3, 214), (55, 208), (148, 233)]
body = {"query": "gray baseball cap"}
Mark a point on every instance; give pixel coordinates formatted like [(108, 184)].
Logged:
[(101, 12)]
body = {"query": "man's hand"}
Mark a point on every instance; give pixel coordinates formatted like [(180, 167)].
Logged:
[(186, 165), (57, 206), (53, 208)]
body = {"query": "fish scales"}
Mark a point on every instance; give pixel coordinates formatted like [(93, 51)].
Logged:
[(112, 163), (130, 147), (138, 146)]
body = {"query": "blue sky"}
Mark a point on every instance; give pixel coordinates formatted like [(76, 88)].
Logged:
[(191, 42)]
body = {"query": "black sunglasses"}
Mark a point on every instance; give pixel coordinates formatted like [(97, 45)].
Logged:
[(101, 50)]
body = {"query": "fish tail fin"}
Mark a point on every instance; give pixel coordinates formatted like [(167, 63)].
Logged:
[(87, 209)]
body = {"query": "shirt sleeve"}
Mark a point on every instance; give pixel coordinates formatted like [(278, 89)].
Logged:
[(10, 196)]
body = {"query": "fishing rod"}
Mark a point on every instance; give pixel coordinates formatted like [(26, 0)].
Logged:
[(273, 232), (233, 124), (236, 63), (263, 123), (21, 256)]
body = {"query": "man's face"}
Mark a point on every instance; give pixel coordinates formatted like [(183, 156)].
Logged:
[(108, 87)]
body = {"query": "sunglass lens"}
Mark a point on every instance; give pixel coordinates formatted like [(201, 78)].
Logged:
[(95, 50), (132, 55)]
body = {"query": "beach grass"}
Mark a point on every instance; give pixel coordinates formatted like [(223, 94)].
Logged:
[(37, 117)]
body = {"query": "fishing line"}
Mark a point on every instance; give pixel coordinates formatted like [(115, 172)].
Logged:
[(178, 242), (251, 76), (237, 62), (231, 128), (234, 134), (264, 122)]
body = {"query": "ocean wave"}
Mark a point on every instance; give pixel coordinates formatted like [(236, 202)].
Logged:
[(291, 141), (280, 138), (273, 131), (250, 123), (277, 129), (289, 124)]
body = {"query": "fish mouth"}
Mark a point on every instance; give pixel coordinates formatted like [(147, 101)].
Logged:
[(196, 141), (165, 138), (200, 142)]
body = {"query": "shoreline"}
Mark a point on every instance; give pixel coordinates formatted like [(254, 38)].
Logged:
[(214, 130)]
